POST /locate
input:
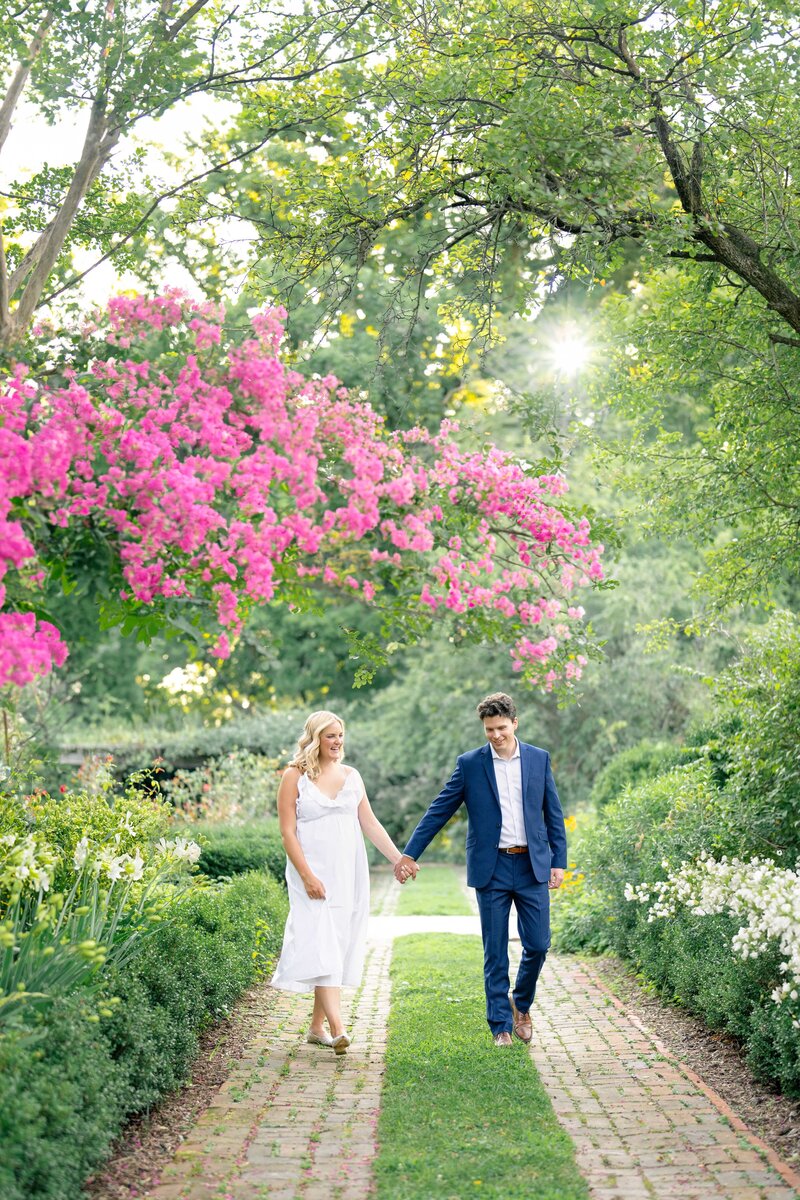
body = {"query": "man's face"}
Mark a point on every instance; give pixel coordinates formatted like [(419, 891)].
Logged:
[(500, 733)]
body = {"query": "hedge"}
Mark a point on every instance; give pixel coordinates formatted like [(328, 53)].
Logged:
[(67, 1087), (233, 849)]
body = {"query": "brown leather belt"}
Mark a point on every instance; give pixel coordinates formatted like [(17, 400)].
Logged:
[(513, 849)]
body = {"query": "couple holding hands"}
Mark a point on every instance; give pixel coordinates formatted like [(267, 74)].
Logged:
[(516, 851)]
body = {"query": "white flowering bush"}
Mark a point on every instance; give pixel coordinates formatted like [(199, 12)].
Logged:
[(25, 862), (764, 896), (120, 886)]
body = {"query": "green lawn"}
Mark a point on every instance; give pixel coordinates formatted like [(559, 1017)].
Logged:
[(436, 890), (459, 1117)]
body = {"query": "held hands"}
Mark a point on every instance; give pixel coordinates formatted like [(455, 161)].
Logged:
[(405, 868), (315, 888), (556, 878)]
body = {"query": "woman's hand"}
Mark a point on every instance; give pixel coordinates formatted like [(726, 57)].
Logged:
[(315, 888)]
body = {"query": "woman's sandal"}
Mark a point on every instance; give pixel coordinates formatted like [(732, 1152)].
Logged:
[(340, 1044), (319, 1039)]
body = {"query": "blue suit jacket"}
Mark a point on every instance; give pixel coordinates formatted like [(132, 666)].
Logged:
[(473, 783)]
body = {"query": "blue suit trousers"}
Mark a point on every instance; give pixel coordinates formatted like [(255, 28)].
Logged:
[(513, 880)]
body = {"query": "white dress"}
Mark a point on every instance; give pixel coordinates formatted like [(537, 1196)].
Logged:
[(325, 940)]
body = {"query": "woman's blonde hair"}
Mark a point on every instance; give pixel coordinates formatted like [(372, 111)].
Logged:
[(306, 757)]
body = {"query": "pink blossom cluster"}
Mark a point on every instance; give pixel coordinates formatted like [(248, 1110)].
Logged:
[(220, 475)]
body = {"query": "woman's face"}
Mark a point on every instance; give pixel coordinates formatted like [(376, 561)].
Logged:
[(331, 743)]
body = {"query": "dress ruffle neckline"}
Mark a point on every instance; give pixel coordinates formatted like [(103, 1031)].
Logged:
[(321, 797)]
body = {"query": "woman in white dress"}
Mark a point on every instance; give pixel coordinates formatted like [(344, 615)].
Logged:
[(323, 811)]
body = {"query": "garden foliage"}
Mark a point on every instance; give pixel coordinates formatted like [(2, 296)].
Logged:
[(65, 1095), (230, 849), (114, 956), (691, 873)]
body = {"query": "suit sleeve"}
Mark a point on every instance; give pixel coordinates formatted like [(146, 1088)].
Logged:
[(448, 802), (554, 821)]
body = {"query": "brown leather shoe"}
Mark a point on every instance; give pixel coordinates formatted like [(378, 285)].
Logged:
[(523, 1026), (503, 1039)]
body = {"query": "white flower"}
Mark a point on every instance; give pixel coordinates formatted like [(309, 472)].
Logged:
[(766, 896), (115, 867), (135, 865), (81, 853), (186, 849)]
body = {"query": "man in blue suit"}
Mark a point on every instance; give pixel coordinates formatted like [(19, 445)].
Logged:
[(516, 850)]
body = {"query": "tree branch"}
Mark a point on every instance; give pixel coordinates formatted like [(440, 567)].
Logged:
[(21, 77), (174, 29), (173, 191), (97, 148), (4, 293)]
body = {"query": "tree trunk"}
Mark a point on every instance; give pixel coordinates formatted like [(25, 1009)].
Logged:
[(39, 262)]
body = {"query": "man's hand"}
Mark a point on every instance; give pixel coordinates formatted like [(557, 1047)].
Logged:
[(556, 878), (405, 868)]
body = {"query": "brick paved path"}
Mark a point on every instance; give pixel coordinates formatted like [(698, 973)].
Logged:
[(644, 1126), (293, 1122)]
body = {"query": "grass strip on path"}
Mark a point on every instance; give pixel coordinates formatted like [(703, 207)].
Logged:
[(459, 1117), (436, 891)]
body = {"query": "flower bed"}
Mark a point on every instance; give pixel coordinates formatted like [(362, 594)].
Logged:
[(765, 897), (710, 849), (114, 955)]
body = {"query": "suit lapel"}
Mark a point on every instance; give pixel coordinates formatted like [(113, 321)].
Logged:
[(488, 767)]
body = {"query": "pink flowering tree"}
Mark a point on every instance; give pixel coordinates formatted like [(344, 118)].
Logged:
[(201, 476)]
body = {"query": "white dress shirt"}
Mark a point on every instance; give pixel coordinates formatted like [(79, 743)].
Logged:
[(508, 773)]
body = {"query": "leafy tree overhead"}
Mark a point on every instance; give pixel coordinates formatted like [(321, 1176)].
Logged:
[(565, 131), (118, 64), (501, 150)]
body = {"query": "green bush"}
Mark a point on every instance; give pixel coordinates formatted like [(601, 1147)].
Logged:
[(636, 765), (580, 921), (233, 849), (66, 1088), (272, 734), (62, 820), (235, 786), (740, 798), (761, 692), (61, 1104)]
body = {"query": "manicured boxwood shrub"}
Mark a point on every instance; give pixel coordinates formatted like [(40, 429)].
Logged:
[(66, 1089), (232, 849)]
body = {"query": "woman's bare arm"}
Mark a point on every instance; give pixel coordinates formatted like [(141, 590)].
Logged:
[(376, 833), (287, 818)]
